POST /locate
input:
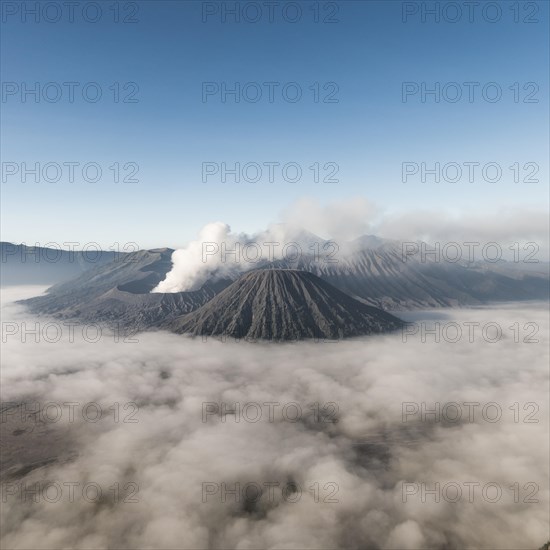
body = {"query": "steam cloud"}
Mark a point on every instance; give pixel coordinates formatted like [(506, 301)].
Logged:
[(189, 269), (341, 222), (170, 452), (220, 252)]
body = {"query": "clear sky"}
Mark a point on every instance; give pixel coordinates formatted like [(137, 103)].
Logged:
[(361, 59)]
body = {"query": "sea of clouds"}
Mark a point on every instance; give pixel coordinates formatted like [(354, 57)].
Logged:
[(349, 464)]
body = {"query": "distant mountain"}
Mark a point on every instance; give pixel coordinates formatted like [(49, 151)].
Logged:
[(25, 265), (375, 271), (283, 304)]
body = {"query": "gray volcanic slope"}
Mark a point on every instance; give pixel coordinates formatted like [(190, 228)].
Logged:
[(118, 294), (284, 304), (380, 277)]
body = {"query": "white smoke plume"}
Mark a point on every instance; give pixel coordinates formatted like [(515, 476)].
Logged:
[(216, 251), (220, 251), (188, 265), (309, 227), (360, 463)]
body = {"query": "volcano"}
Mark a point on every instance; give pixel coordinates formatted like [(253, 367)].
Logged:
[(284, 304)]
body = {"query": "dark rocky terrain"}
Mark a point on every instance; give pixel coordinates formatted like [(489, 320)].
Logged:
[(371, 270), (284, 304), (120, 294)]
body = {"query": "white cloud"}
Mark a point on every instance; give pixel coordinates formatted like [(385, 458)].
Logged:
[(170, 452)]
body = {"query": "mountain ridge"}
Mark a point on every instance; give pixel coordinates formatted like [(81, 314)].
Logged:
[(120, 291)]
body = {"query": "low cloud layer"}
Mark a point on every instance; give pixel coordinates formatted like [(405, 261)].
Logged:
[(366, 456)]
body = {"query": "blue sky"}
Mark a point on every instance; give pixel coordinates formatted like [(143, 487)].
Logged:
[(170, 131)]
